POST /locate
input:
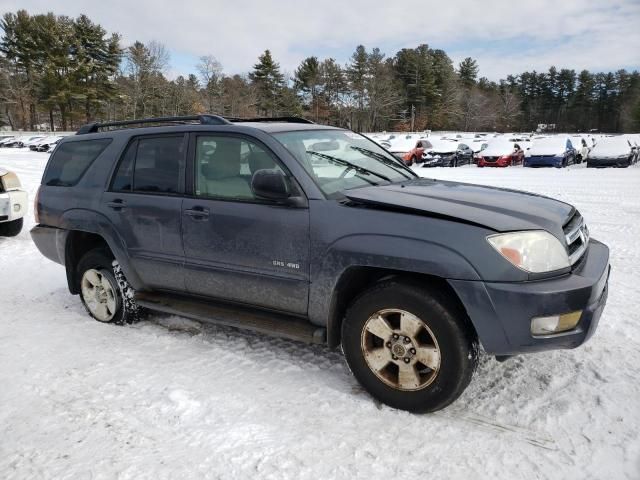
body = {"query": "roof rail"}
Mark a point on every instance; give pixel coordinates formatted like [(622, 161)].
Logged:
[(202, 119), (270, 119)]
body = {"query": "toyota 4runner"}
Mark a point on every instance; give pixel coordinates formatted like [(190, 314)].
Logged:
[(316, 233)]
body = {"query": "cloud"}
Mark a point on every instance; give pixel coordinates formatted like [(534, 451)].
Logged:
[(505, 36)]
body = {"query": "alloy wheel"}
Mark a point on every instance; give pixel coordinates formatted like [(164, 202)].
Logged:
[(400, 349)]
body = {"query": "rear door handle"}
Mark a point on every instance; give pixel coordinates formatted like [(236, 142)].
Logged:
[(117, 204), (198, 213)]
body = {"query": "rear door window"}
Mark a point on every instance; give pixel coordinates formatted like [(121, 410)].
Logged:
[(71, 160), (154, 165)]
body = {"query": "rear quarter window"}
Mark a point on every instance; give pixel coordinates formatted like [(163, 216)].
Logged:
[(71, 160)]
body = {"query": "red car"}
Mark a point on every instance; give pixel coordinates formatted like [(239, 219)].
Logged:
[(415, 154), (501, 154)]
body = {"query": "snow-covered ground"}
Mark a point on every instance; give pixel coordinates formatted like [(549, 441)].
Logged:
[(168, 398)]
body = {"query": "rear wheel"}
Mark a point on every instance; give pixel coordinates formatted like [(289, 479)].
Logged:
[(12, 228), (105, 293), (408, 346)]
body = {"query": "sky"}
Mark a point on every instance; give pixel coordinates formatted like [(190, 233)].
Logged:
[(504, 36)]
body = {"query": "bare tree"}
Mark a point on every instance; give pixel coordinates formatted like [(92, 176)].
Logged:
[(210, 71)]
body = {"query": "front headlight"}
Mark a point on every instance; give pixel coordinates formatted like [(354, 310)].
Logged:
[(534, 251)]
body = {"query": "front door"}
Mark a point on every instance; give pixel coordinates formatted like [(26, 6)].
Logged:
[(144, 203), (238, 247)]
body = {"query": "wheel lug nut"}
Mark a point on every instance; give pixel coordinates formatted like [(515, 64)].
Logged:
[(388, 344), (394, 357), (413, 350), (395, 336), (406, 360), (407, 339)]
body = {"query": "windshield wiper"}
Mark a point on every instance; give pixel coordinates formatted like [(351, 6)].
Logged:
[(389, 163), (352, 166)]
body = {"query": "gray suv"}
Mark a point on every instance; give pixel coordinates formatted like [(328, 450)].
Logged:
[(316, 233)]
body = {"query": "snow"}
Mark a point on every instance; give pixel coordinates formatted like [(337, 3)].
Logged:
[(499, 147), (611, 146), (170, 398)]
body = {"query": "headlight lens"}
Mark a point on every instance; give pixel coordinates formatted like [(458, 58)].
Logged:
[(535, 251)]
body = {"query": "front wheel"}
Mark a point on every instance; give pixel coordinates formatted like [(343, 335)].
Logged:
[(104, 291), (409, 347)]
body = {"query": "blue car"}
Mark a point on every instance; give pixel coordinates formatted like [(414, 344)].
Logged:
[(556, 151)]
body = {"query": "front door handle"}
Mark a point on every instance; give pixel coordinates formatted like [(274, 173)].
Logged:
[(117, 204), (197, 213)]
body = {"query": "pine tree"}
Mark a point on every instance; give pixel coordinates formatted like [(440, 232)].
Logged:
[(307, 79), (269, 83), (357, 71), (468, 72)]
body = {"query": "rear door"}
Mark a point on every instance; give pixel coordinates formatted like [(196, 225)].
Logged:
[(238, 247), (144, 203)]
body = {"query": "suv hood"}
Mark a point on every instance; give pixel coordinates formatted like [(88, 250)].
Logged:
[(498, 209)]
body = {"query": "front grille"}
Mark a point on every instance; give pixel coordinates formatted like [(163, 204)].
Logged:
[(490, 159), (577, 236)]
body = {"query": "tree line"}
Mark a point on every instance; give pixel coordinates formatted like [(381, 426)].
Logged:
[(58, 72)]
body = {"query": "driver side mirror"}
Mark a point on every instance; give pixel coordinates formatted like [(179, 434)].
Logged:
[(270, 185)]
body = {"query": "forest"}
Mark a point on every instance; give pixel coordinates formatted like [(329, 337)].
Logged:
[(57, 73)]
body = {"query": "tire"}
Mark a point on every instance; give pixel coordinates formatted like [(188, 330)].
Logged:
[(441, 339), (12, 228), (101, 282)]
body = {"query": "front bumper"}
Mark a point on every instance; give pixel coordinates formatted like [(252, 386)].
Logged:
[(437, 162), (502, 312), (601, 162), (497, 163), (13, 205), (543, 161)]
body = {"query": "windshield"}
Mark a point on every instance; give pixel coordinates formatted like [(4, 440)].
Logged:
[(340, 160), (443, 146)]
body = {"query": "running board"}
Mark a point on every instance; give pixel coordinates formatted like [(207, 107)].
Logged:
[(234, 316)]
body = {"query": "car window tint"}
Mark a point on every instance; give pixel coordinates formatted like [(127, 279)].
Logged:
[(71, 160), (224, 166), (122, 180), (159, 164)]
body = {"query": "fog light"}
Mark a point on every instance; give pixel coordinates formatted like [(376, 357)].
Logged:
[(16, 207), (555, 323)]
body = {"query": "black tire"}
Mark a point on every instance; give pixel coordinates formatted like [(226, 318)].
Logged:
[(12, 228), (127, 311), (457, 345)]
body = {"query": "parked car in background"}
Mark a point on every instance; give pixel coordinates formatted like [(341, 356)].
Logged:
[(612, 152), (501, 153), (45, 144), (556, 151), (447, 153), (415, 154), (13, 204), (20, 142), (582, 146), (401, 146), (4, 141)]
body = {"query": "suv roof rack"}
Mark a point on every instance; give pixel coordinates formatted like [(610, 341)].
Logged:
[(201, 119), (270, 119)]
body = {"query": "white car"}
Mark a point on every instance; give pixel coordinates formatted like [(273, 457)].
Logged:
[(13, 204), (6, 140)]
